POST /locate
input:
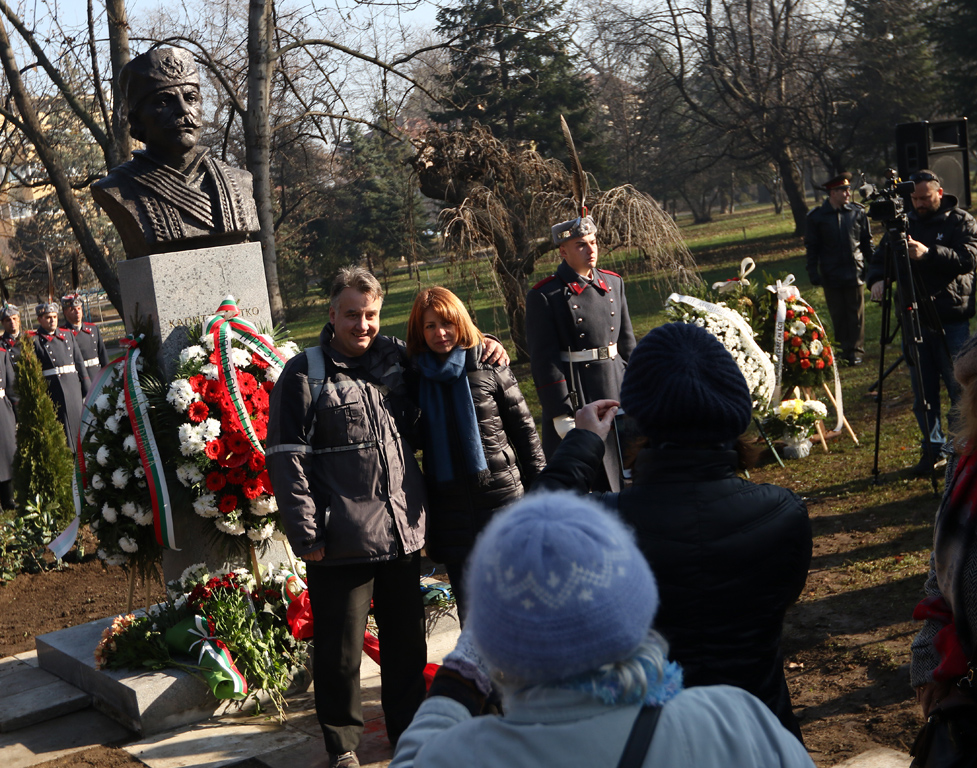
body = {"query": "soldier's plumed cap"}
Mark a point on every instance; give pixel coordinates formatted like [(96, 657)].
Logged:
[(154, 70), (9, 310), (72, 300), (840, 181), (46, 308), (578, 227)]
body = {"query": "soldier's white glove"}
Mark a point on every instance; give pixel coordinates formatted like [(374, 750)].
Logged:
[(563, 425)]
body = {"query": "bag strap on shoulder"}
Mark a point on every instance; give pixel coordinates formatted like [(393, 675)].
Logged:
[(640, 737), (317, 379)]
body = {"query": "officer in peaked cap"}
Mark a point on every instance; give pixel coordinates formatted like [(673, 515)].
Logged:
[(838, 241), (87, 336), (63, 367), (577, 319)]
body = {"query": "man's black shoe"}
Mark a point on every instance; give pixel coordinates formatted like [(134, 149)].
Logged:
[(927, 465)]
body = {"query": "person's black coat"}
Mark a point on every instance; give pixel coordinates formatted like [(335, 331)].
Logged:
[(459, 509), (730, 557)]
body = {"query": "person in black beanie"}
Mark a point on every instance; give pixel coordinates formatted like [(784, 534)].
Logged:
[(730, 555)]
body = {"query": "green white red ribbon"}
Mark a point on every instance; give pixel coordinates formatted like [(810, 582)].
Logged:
[(194, 635), (225, 327), (149, 454), (79, 480)]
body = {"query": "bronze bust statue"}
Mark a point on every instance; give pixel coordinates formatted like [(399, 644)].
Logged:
[(173, 195)]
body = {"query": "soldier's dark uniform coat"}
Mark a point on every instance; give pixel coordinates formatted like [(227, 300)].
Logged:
[(9, 344), (68, 389), (564, 312), (89, 340), (8, 438)]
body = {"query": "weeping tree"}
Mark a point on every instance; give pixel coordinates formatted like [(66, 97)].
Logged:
[(505, 196)]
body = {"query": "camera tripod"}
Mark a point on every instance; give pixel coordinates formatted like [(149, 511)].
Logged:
[(898, 266)]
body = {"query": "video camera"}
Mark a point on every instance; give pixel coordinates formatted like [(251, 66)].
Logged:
[(886, 204)]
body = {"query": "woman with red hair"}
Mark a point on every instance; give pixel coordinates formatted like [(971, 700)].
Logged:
[(481, 449)]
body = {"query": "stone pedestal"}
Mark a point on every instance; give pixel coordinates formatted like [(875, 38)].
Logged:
[(182, 289), (178, 291)]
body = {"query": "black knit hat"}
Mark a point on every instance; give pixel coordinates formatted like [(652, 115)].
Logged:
[(682, 385)]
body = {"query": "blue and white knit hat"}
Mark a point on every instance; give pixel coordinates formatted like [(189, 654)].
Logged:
[(558, 587)]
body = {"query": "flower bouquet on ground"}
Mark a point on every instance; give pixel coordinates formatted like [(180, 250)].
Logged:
[(807, 352), (793, 421), (234, 630), (221, 405)]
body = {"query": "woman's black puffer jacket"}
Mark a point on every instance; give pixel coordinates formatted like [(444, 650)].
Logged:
[(730, 557), (459, 509)]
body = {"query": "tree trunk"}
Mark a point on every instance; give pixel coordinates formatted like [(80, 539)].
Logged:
[(120, 144), (793, 189), (258, 135), (59, 179)]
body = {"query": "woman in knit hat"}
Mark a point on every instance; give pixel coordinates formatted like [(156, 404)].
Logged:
[(481, 448), (560, 621), (731, 556), (948, 639)]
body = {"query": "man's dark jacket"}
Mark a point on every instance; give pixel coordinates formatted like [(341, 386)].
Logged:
[(838, 242), (946, 273), (730, 557)]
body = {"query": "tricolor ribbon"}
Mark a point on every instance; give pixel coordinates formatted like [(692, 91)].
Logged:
[(225, 327), (194, 635), (785, 291), (150, 457), (79, 480), (725, 286)]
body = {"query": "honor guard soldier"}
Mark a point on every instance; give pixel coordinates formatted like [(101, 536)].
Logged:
[(87, 336), (580, 338), (63, 367), (10, 317)]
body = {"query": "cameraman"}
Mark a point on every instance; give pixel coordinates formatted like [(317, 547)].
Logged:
[(838, 240), (942, 245)]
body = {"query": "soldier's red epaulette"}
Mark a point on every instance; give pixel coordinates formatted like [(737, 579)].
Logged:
[(31, 332), (543, 282), (608, 272)]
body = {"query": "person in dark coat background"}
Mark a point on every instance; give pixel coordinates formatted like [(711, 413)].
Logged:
[(838, 239), (941, 241), (731, 555), (10, 317), (481, 448), (578, 315), (64, 369), (8, 431), (87, 335)]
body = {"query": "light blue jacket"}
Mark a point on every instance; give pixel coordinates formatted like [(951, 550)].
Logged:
[(709, 727)]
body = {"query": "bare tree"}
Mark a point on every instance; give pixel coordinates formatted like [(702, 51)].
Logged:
[(747, 69), (505, 197)]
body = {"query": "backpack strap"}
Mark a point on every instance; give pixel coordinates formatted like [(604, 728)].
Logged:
[(640, 738), (317, 379)]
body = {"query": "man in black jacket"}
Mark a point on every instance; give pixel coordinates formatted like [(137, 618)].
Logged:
[(942, 245), (838, 240)]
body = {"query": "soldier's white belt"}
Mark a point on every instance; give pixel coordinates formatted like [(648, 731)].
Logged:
[(3, 393), (58, 371), (91, 361), (586, 355)]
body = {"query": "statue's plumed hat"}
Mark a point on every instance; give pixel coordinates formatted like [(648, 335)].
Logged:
[(154, 70)]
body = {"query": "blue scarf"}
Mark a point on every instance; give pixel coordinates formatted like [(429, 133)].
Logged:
[(437, 455)]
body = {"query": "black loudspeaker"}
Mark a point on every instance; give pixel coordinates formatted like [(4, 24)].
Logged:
[(940, 146)]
